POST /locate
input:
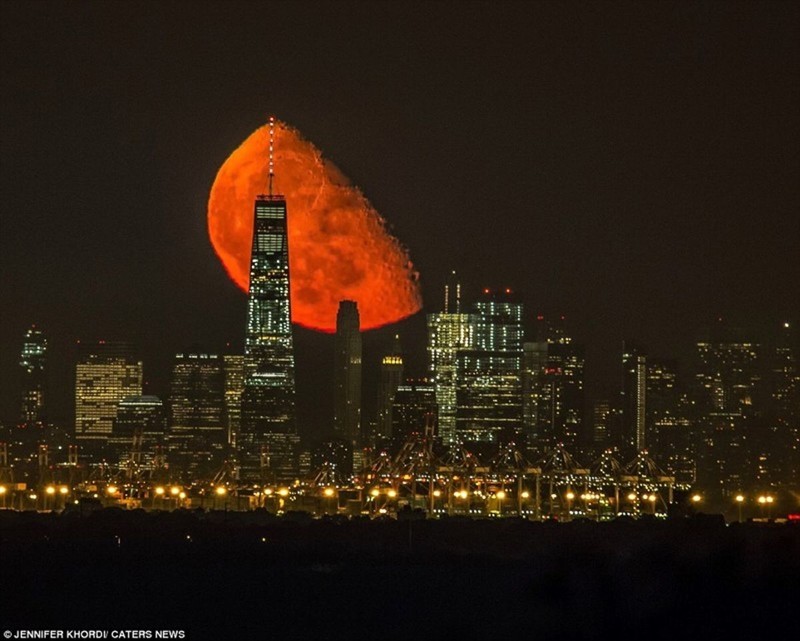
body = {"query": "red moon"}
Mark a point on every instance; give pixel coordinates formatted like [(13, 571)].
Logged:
[(339, 247)]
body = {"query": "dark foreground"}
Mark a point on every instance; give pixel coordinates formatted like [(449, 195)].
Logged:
[(251, 576)]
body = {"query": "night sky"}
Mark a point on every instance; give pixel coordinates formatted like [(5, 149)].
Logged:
[(635, 167)]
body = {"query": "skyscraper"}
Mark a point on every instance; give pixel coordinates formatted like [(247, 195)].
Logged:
[(234, 386), (560, 386), (489, 381), (727, 381), (347, 374), (449, 333), (413, 409), (32, 361), (105, 374), (197, 425), (140, 426), (391, 378), (634, 395), (267, 438)]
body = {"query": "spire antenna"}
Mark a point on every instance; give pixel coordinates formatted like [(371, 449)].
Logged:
[(271, 146)]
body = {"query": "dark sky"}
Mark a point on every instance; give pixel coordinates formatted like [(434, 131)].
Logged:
[(633, 166)]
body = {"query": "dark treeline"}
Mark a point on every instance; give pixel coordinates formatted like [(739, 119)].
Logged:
[(225, 575)]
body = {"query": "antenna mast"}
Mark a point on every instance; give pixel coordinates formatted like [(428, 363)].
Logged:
[(271, 144)]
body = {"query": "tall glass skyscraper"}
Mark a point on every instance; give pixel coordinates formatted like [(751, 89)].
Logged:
[(267, 432), (489, 382)]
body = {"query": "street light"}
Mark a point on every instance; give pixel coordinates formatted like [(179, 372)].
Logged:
[(63, 490), (50, 490), (221, 491), (652, 500), (160, 491), (391, 494), (174, 490), (328, 491), (112, 490), (739, 500), (696, 498)]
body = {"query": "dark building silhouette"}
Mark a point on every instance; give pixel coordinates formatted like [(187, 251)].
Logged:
[(140, 427), (633, 402), (391, 378), (32, 360), (727, 411), (347, 375), (197, 424), (413, 409), (557, 384)]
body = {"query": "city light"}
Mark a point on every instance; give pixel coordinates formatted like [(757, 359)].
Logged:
[(182, 495), (3, 489), (63, 489), (329, 492), (284, 491), (375, 491), (160, 491), (631, 497), (526, 494), (391, 494), (501, 495), (570, 496), (696, 498), (221, 491), (111, 489), (739, 498), (50, 490), (174, 490)]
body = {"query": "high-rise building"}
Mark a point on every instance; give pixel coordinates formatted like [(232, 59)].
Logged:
[(449, 333), (559, 386), (32, 361), (534, 361), (347, 375), (778, 457), (601, 422), (391, 378), (267, 439), (140, 427), (489, 376), (414, 408), (634, 400), (197, 425), (105, 373), (234, 386), (727, 409)]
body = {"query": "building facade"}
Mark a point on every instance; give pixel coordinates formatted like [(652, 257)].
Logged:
[(267, 438), (105, 373), (32, 362), (347, 374)]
